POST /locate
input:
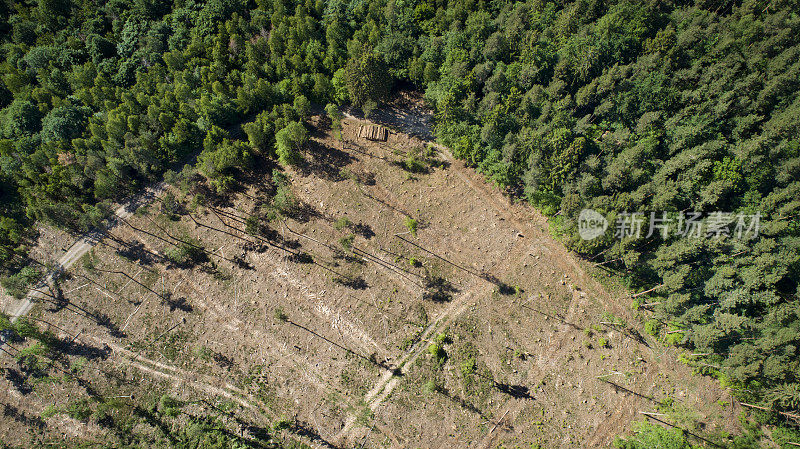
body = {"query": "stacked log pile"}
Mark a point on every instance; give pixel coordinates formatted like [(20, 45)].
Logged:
[(373, 132)]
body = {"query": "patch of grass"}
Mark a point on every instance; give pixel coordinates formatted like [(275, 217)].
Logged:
[(174, 345), (602, 342), (365, 416)]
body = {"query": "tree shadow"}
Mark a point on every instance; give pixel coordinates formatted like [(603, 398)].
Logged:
[(105, 321), (620, 389), (304, 429), (363, 230), (356, 283), (303, 212), (552, 316), (373, 358), (240, 262), (20, 416), (87, 351), (181, 304), (515, 391), (629, 332), (438, 289), (325, 162), (384, 203), (136, 252), (461, 402), (17, 380), (485, 276), (354, 146), (152, 419), (222, 360), (101, 319)]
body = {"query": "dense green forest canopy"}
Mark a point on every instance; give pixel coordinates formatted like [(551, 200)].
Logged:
[(662, 106)]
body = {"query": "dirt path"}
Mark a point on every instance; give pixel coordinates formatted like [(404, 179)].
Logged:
[(533, 229), (388, 382), (81, 246), (203, 383)]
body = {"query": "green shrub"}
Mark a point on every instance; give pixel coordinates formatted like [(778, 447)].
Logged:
[(652, 327), (80, 409), (468, 367), (280, 315), (252, 225), (438, 353), (347, 242), (17, 285), (281, 424), (411, 224), (431, 387), (169, 406), (187, 253), (342, 223)]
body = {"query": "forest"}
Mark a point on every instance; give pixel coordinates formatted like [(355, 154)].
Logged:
[(660, 106)]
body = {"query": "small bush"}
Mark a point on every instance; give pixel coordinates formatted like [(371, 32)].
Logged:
[(652, 327), (602, 342), (347, 242), (468, 367), (169, 406), (252, 225), (170, 206), (280, 315), (431, 387), (17, 285), (342, 223), (80, 410), (369, 108), (438, 353), (412, 225), (284, 201), (674, 338), (89, 261), (281, 424), (189, 252)]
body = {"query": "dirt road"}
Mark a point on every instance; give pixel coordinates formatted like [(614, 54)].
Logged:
[(81, 246)]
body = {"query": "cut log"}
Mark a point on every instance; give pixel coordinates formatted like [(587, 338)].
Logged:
[(373, 132)]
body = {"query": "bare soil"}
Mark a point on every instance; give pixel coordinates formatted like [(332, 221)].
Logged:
[(519, 319)]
